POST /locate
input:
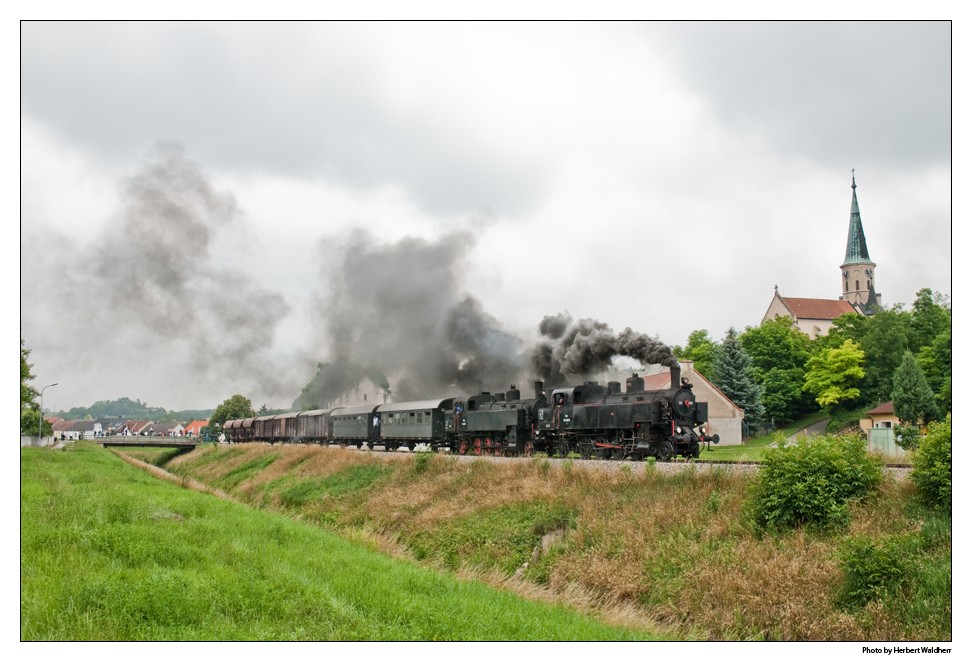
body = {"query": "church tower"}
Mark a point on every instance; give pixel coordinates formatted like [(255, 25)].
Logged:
[(857, 271)]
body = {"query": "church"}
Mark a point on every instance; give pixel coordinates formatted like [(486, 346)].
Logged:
[(814, 317)]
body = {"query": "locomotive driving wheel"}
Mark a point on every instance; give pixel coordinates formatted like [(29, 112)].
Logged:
[(585, 448), (563, 448), (665, 451), (477, 446)]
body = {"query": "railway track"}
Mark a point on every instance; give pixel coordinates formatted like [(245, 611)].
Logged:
[(899, 471)]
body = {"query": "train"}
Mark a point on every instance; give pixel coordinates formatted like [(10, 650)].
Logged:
[(590, 420)]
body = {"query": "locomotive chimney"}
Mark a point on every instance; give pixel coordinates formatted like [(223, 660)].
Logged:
[(676, 376), (537, 390)]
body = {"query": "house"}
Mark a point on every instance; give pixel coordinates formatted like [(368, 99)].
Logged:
[(813, 317), (194, 428), (86, 429), (725, 417), (366, 392), (881, 416), (168, 429), (138, 428), (62, 429)]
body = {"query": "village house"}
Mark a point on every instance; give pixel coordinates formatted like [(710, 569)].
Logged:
[(194, 428)]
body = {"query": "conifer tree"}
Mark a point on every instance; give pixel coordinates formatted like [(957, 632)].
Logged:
[(732, 372), (912, 397)]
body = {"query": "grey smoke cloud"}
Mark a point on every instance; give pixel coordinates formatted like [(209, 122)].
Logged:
[(150, 299), (401, 308)]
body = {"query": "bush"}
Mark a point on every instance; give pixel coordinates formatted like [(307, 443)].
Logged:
[(908, 436), (932, 473), (871, 571), (812, 482)]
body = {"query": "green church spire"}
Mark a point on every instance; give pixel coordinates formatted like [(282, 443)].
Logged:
[(856, 244)]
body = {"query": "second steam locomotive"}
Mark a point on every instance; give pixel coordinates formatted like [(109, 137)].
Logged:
[(591, 420)]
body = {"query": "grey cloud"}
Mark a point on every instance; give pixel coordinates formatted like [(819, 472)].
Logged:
[(274, 105), (841, 91)]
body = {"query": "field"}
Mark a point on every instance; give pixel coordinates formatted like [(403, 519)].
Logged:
[(645, 551), (109, 552), (632, 542)]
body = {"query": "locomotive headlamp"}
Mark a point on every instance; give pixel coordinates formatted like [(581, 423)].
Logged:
[(678, 430)]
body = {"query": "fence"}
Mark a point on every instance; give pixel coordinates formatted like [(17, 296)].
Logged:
[(884, 441)]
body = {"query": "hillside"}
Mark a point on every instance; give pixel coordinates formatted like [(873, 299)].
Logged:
[(632, 542)]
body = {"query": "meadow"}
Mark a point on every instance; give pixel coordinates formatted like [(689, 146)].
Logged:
[(109, 552), (631, 543)]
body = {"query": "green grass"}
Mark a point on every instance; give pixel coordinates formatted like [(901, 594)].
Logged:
[(110, 553), (754, 450), (498, 538)]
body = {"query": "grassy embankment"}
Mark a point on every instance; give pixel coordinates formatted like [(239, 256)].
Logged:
[(633, 543), (111, 553)]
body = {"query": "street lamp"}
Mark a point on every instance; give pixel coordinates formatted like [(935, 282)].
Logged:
[(40, 423)]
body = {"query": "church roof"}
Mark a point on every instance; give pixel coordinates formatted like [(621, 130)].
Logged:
[(817, 309), (856, 244)]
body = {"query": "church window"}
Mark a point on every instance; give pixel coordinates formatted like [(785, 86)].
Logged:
[(868, 284), (857, 284)]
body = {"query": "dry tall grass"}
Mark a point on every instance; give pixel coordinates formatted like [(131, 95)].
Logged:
[(645, 546)]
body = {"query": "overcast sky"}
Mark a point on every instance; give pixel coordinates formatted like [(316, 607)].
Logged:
[(187, 188)]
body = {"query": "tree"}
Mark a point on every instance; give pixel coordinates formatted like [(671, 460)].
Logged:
[(932, 474), (700, 349), (936, 364), (913, 399), (930, 317), (732, 373), (31, 421), (779, 353), (833, 374), (884, 345), (27, 392), (235, 407)]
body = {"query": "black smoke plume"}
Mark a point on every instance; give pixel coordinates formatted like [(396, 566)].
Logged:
[(587, 347)]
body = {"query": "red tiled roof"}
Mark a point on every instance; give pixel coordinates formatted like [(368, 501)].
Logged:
[(663, 380), (817, 309), (883, 408)]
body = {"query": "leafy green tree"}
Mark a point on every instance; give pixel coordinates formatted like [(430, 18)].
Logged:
[(235, 407), (30, 413), (27, 392), (936, 364), (932, 472), (913, 399), (884, 345), (779, 353), (700, 349), (833, 374), (732, 372), (931, 315)]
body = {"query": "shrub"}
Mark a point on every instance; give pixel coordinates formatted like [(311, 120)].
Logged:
[(811, 482), (909, 436), (932, 473), (871, 571)]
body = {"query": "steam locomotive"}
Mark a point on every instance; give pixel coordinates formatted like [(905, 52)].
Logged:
[(591, 420)]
